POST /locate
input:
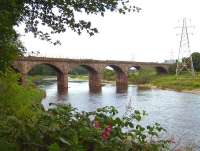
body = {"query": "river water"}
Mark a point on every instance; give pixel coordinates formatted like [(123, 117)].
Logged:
[(178, 112)]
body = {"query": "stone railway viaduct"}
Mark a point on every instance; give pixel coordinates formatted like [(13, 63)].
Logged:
[(95, 69)]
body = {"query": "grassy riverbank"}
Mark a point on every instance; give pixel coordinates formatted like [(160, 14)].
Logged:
[(179, 83), (150, 79)]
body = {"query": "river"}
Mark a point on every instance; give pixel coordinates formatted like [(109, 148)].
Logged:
[(178, 112)]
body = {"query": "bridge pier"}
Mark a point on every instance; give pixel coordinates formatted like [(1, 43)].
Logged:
[(121, 82), (94, 82), (62, 82)]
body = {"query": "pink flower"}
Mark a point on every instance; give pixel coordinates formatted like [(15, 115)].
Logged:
[(106, 132), (105, 136)]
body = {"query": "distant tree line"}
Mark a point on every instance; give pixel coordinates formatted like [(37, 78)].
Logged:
[(43, 69), (196, 63), (79, 71)]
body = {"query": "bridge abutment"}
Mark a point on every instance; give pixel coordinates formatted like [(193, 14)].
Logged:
[(95, 82), (121, 82), (62, 83)]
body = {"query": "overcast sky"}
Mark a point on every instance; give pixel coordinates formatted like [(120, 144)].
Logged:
[(145, 36)]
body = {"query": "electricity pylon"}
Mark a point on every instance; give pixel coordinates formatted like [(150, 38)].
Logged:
[(184, 61)]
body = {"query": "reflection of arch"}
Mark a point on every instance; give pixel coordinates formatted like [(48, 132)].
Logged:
[(161, 70), (121, 79)]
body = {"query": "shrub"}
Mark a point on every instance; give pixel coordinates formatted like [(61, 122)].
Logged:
[(16, 99), (63, 128), (143, 76)]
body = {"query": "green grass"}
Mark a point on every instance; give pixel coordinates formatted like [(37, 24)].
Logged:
[(79, 77), (181, 82)]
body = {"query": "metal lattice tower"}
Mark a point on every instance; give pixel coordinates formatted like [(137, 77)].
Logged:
[(184, 62)]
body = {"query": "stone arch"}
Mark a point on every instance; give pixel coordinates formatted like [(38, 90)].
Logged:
[(137, 67), (54, 66), (161, 70), (94, 77), (133, 70), (62, 78), (121, 78)]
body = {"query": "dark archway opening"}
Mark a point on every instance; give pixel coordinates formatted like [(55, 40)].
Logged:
[(161, 70), (47, 74), (86, 73), (114, 72), (39, 73), (133, 72), (78, 73)]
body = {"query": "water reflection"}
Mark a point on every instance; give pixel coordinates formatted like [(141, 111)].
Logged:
[(178, 112)]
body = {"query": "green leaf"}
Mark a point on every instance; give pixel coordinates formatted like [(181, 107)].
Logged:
[(54, 147)]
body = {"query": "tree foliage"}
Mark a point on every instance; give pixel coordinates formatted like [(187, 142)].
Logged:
[(196, 60), (42, 69), (57, 15)]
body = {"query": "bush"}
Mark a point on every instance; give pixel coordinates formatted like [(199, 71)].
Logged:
[(14, 98), (109, 75), (63, 128), (143, 76)]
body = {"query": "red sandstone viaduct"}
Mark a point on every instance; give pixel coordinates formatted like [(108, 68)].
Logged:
[(94, 67)]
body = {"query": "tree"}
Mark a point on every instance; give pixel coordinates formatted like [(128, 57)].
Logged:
[(196, 60), (57, 15)]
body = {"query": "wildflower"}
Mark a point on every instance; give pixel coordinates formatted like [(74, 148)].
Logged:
[(106, 132)]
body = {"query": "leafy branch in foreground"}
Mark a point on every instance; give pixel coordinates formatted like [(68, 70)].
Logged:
[(60, 15), (64, 128), (55, 15)]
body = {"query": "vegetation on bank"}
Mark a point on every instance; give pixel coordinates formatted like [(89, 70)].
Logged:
[(181, 82), (168, 81), (78, 77), (15, 98)]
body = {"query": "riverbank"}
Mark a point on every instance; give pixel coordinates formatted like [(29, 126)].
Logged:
[(182, 83)]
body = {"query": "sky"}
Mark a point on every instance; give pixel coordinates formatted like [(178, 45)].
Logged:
[(150, 35)]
